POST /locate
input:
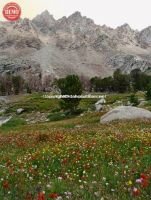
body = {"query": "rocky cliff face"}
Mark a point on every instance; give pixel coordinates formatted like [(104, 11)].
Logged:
[(144, 37), (73, 44)]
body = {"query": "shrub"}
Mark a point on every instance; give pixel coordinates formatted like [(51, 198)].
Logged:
[(56, 116), (134, 100), (148, 93)]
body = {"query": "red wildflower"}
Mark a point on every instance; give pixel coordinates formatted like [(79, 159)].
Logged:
[(136, 192), (145, 180), (145, 183), (8, 163), (41, 196), (144, 176), (5, 185), (65, 161), (53, 195), (29, 196)]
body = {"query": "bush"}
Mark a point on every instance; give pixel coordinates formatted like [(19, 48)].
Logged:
[(148, 93), (56, 116), (134, 100)]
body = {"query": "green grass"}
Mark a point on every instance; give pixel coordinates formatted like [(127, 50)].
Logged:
[(13, 124), (112, 98), (57, 116), (34, 102), (86, 104), (148, 105)]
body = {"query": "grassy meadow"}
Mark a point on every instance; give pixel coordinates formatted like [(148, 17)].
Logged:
[(73, 158)]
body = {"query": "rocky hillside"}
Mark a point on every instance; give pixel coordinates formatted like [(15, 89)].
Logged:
[(73, 44)]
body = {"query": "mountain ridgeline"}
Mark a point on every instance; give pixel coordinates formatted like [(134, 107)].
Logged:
[(71, 45)]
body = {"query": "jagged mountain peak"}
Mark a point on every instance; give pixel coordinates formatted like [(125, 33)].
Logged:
[(125, 27), (145, 37), (44, 20), (78, 18), (73, 44), (45, 14), (146, 30), (25, 26), (149, 27), (76, 14)]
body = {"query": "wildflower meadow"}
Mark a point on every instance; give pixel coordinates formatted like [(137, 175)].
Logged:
[(77, 159)]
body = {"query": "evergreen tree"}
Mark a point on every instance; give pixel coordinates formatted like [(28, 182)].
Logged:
[(121, 81), (148, 93), (70, 85), (2, 89), (17, 84)]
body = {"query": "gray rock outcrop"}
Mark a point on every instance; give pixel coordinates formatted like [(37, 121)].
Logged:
[(125, 113)]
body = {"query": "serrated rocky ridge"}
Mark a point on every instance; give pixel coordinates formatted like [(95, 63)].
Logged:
[(73, 44)]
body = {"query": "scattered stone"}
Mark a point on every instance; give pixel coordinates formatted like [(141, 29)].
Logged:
[(3, 99), (99, 104), (143, 103), (98, 107), (119, 102), (78, 126), (2, 111), (129, 103), (126, 113), (4, 120), (20, 111), (36, 117)]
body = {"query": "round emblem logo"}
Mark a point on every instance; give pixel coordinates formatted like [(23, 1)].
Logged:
[(12, 11)]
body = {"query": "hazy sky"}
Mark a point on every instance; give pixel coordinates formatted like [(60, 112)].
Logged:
[(137, 13)]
